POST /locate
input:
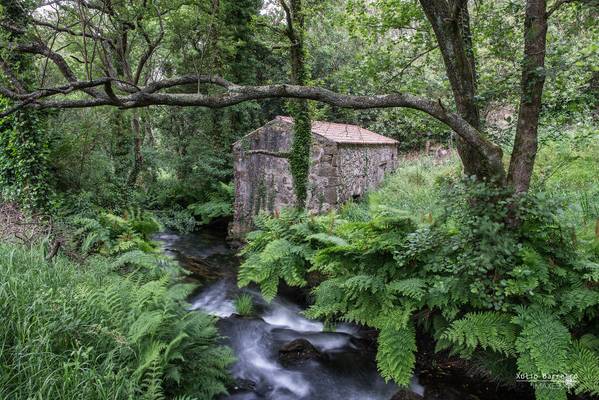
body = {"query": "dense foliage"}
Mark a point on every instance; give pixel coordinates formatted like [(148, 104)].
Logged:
[(85, 331), (111, 234), (167, 158), (510, 284), (511, 299)]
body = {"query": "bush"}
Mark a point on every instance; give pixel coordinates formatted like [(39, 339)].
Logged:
[(178, 220), (511, 299), (86, 332)]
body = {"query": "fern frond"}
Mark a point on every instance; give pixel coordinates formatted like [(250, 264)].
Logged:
[(146, 324), (543, 345), (327, 239), (395, 355), (412, 287), (488, 330), (584, 365)]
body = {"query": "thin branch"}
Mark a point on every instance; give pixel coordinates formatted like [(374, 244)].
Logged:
[(64, 29), (290, 31), (17, 84), (152, 45), (409, 64), (557, 5)]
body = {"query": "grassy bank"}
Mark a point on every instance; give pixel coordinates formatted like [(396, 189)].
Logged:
[(566, 170), (87, 332)]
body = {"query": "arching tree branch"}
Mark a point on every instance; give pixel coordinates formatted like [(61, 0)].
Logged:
[(235, 94)]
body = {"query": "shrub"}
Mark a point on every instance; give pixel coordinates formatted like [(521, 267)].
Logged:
[(87, 332), (179, 220), (511, 299)]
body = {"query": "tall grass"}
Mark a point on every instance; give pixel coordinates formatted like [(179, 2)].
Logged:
[(413, 187), (566, 169), (569, 169), (86, 332), (244, 305)]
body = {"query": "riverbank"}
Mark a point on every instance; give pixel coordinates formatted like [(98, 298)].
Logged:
[(338, 364)]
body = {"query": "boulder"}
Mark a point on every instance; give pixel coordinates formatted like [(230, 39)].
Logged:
[(298, 350), (405, 394)]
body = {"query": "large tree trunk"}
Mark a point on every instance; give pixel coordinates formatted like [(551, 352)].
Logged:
[(533, 79), (451, 24)]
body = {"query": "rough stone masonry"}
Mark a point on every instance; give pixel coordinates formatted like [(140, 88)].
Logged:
[(346, 162)]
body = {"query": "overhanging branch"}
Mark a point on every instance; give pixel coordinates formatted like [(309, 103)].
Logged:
[(234, 94)]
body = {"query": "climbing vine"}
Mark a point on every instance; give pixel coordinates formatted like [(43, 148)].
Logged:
[(24, 156), (299, 159), (24, 143)]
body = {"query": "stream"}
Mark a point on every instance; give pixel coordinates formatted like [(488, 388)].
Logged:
[(342, 367)]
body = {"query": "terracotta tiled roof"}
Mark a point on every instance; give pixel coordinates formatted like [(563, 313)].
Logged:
[(345, 133)]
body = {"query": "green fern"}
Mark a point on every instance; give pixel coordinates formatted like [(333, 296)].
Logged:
[(508, 299), (584, 366), (279, 260), (112, 235), (151, 383), (110, 335), (543, 340), (395, 355), (488, 331), (412, 287)]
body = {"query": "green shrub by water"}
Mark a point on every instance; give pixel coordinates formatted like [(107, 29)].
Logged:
[(86, 332), (110, 234)]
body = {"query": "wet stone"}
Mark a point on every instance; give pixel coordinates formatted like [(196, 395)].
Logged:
[(243, 385), (405, 394), (298, 350)]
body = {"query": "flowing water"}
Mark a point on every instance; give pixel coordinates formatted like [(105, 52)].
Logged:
[(344, 367)]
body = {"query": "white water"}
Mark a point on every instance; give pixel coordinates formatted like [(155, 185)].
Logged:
[(214, 301), (342, 374), (287, 316), (345, 370)]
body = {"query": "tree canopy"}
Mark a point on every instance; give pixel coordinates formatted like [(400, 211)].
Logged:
[(120, 54)]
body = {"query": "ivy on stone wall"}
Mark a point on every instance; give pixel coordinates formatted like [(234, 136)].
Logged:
[(299, 159)]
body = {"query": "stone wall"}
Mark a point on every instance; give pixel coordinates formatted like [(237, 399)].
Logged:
[(362, 168), (338, 172), (262, 182), (323, 180)]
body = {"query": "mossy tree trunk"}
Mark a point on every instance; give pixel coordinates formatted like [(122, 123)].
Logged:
[(299, 158)]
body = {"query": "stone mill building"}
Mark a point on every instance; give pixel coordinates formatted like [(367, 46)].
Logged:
[(346, 161)]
